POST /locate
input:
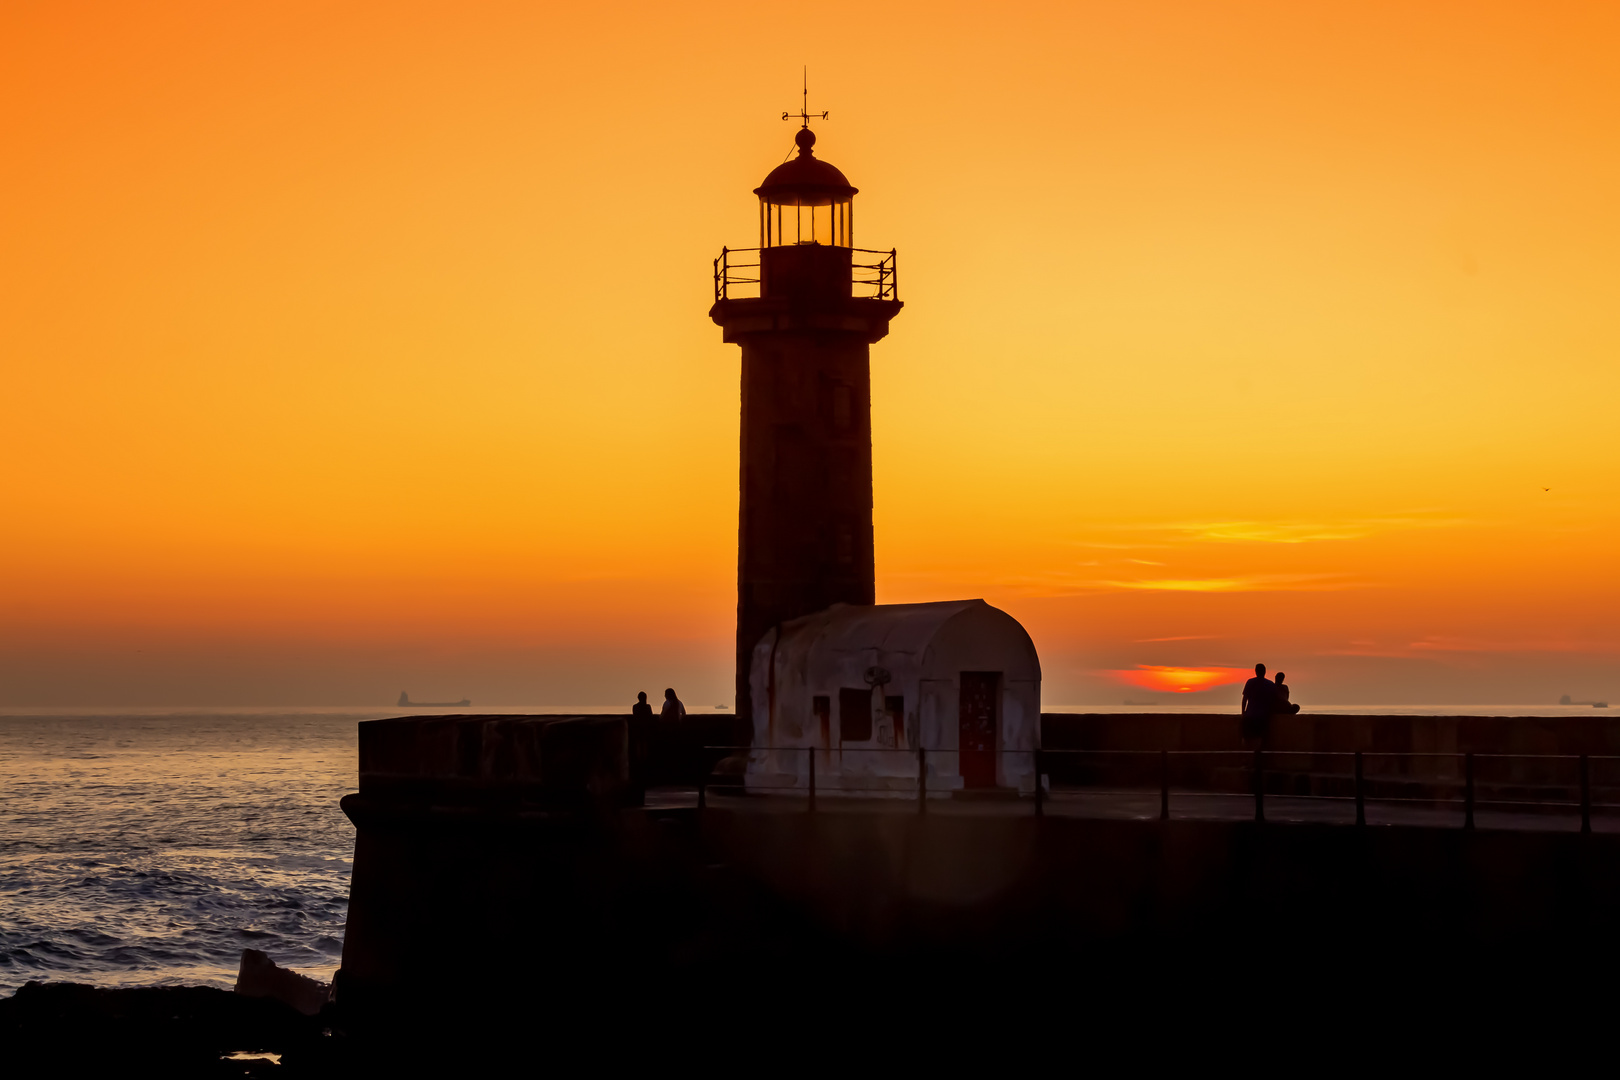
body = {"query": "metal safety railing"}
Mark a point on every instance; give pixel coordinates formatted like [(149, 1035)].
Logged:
[(737, 274), (729, 273), (1259, 764), (884, 279)]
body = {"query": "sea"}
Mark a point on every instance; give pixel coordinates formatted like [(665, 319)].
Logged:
[(150, 846)]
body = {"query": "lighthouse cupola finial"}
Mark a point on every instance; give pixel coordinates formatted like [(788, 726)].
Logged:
[(803, 116)]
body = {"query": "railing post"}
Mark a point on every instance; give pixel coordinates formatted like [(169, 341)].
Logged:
[(1259, 785), (1164, 785), (812, 752), (1361, 799), (1468, 791), (922, 780), (1039, 809), (1586, 794)]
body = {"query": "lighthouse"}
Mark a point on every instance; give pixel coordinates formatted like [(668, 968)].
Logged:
[(806, 306)]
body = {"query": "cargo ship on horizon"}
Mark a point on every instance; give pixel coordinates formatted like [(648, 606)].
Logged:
[(405, 702)]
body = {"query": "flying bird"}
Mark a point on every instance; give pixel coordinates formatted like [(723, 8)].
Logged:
[(1546, 489)]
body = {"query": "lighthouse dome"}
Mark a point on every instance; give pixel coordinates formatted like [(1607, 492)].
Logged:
[(806, 180), (806, 201)]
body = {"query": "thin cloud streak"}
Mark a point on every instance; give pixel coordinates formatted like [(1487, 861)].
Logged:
[(1480, 645), (1272, 532), (1436, 646), (1058, 584), (1249, 583)]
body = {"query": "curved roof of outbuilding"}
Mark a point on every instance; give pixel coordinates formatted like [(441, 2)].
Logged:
[(896, 627), (806, 179), (888, 628)]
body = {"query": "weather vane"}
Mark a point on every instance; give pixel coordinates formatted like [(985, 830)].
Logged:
[(804, 114)]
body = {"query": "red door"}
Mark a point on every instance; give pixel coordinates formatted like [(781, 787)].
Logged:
[(981, 694)]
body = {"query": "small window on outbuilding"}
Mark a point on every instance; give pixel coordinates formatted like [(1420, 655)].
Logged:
[(896, 708), (821, 706), (854, 715)]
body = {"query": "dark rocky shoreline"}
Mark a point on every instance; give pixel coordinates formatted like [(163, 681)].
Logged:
[(64, 1028)]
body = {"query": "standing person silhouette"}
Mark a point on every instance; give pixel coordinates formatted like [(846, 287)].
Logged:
[(1259, 700), (644, 745), (673, 709)]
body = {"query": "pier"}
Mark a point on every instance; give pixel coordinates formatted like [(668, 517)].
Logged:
[(470, 870)]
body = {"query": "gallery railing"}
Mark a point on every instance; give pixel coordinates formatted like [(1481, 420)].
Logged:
[(883, 276), (733, 274), (1265, 771), (737, 274)]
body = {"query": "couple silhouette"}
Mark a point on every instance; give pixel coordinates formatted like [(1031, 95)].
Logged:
[(673, 708), (1262, 699)]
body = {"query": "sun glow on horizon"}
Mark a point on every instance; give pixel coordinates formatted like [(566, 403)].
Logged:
[(1179, 680)]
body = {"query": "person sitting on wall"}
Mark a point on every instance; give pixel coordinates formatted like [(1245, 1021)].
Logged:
[(641, 709), (1259, 700), (673, 709), (1282, 704)]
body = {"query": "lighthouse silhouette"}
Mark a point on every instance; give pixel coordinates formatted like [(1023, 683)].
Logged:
[(806, 305)]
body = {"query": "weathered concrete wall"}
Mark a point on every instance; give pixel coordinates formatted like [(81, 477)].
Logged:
[(547, 758), (1595, 734), (480, 914), (543, 760), (1406, 756), (738, 914)]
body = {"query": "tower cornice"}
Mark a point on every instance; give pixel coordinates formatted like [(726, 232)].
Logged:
[(863, 316)]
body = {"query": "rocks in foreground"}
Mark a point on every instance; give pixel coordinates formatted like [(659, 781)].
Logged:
[(261, 977), (70, 1028)]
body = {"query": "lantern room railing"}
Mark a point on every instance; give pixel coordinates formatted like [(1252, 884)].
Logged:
[(884, 280), (730, 273), (737, 274)]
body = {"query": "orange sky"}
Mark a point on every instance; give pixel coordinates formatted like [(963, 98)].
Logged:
[(357, 347)]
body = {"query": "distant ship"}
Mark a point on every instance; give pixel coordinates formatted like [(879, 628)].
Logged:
[(405, 702), (1595, 704)]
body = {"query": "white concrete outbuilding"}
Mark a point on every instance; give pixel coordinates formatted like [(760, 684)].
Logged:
[(860, 689)]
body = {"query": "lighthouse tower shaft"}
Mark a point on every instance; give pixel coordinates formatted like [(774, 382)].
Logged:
[(804, 537), (804, 531), (806, 307)]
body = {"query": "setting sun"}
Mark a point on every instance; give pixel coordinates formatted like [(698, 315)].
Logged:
[(1180, 680)]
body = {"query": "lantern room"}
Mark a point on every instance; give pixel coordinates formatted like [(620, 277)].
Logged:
[(806, 201)]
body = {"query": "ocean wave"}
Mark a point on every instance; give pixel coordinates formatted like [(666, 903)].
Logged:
[(141, 850)]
